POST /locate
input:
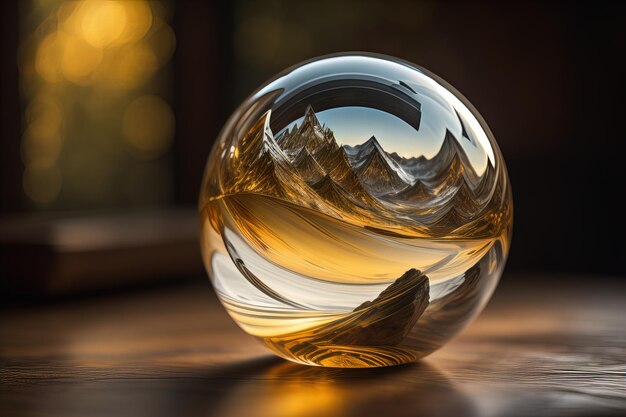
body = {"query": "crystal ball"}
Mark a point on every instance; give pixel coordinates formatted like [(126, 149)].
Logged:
[(355, 212)]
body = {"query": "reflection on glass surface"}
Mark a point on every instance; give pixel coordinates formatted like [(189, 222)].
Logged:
[(356, 212)]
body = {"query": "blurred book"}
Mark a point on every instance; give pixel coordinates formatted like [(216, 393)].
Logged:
[(47, 255)]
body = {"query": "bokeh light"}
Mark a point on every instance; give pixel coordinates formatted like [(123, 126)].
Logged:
[(79, 60), (42, 181), (149, 126), (48, 59), (95, 84)]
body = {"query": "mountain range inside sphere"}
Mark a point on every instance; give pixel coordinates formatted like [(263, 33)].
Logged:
[(365, 185)]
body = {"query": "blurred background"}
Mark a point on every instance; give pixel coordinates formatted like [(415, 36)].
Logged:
[(109, 110)]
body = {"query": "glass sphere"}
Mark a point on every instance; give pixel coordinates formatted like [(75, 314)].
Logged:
[(355, 212)]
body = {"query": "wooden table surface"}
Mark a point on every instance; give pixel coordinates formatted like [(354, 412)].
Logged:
[(544, 346)]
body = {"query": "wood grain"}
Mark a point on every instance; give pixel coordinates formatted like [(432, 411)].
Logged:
[(545, 346)]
